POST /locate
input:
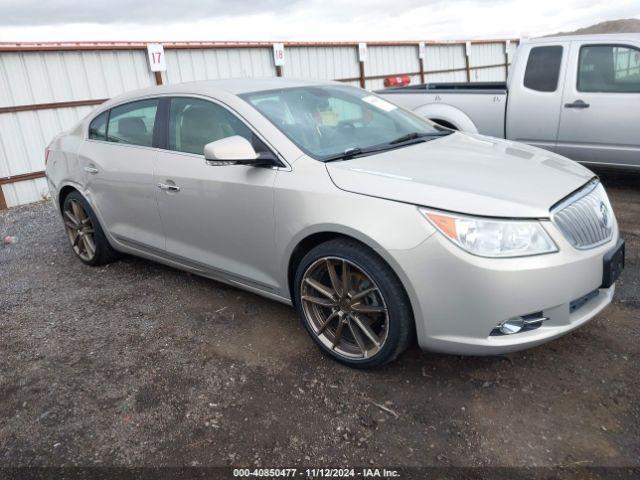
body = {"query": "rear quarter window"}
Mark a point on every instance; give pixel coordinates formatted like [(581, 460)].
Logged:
[(98, 127), (543, 68)]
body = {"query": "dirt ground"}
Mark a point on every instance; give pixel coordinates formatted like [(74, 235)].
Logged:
[(137, 364)]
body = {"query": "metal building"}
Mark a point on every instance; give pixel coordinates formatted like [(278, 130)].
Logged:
[(45, 88)]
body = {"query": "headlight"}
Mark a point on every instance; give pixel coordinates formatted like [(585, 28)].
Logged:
[(493, 238)]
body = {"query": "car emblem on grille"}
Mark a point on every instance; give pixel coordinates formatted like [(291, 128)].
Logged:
[(604, 218)]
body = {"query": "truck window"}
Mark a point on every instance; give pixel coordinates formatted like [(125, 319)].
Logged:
[(609, 69), (543, 68)]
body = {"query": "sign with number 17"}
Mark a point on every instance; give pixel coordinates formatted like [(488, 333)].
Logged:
[(157, 62)]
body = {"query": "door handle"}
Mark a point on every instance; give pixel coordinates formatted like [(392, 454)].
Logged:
[(168, 188), (90, 169), (577, 104)]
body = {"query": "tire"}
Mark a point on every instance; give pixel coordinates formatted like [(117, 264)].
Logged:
[(85, 233), (385, 312)]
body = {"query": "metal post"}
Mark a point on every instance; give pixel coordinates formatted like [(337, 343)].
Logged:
[(506, 61), (466, 61), (278, 70), (506, 66), (362, 77), (421, 70), (158, 76)]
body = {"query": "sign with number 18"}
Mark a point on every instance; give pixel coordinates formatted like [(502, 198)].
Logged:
[(278, 54)]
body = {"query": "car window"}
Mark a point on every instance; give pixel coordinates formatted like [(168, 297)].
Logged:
[(609, 68), (340, 111), (194, 122), (133, 123), (326, 120), (543, 68), (98, 127)]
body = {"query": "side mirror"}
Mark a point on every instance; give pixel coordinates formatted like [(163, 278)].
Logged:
[(230, 151)]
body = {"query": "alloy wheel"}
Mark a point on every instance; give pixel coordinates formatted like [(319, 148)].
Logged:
[(79, 230), (344, 308)]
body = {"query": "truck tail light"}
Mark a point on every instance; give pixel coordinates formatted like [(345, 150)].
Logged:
[(397, 81)]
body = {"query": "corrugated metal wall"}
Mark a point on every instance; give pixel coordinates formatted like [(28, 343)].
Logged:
[(440, 58), (187, 65), (383, 60), (321, 62), (31, 76)]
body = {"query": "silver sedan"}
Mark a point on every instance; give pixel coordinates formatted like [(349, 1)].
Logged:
[(377, 225)]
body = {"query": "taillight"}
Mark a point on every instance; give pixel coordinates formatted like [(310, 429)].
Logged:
[(46, 155)]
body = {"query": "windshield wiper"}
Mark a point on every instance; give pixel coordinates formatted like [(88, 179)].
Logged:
[(347, 154), (405, 140), (418, 136)]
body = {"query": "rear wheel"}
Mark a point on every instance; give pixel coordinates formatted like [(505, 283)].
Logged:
[(85, 234), (352, 304)]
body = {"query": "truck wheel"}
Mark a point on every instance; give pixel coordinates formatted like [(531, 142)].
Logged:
[(444, 123)]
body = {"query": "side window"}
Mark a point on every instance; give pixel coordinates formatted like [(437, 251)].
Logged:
[(609, 68), (543, 68), (133, 123), (194, 122), (98, 127)]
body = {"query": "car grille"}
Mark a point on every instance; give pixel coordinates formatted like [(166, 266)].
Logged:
[(585, 218)]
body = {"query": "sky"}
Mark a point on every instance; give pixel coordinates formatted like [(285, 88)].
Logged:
[(301, 20)]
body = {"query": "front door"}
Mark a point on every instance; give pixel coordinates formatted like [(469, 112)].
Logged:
[(600, 119), (217, 218)]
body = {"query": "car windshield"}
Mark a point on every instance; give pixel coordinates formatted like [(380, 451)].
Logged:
[(328, 120)]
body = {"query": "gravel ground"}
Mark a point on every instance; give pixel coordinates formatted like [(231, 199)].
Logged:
[(137, 364)]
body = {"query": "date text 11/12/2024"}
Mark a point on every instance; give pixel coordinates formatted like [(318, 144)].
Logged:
[(316, 472)]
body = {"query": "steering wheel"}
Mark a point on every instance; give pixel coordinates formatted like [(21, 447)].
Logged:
[(346, 127)]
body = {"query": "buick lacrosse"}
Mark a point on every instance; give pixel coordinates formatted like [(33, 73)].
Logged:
[(376, 224)]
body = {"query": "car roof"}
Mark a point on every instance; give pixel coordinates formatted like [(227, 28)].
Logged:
[(234, 86)]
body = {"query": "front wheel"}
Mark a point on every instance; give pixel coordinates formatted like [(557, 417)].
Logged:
[(352, 304)]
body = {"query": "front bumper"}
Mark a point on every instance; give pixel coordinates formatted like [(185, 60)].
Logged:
[(459, 298)]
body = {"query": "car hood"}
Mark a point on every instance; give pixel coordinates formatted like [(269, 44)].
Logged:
[(465, 173)]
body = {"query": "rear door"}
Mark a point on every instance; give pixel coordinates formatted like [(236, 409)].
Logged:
[(217, 219), (535, 94), (117, 160), (600, 120)]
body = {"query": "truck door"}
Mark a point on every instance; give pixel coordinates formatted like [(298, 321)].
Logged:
[(600, 115), (535, 93)]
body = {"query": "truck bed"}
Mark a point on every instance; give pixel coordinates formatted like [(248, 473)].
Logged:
[(483, 87), (476, 106)]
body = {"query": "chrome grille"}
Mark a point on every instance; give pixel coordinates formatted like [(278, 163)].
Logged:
[(585, 218)]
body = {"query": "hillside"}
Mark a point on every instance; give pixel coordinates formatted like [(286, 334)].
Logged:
[(613, 26)]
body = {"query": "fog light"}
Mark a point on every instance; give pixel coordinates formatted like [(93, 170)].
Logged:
[(513, 325)]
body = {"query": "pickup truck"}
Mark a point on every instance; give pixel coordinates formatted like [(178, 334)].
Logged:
[(578, 96)]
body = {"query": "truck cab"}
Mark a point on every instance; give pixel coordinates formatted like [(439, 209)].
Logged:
[(576, 95)]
